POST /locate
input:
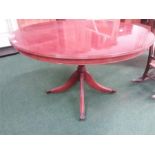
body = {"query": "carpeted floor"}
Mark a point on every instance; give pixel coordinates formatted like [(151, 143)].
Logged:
[(25, 108)]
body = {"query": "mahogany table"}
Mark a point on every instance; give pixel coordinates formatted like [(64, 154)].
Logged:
[(82, 42)]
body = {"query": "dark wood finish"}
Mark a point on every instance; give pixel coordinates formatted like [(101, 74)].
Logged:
[(151, 56)]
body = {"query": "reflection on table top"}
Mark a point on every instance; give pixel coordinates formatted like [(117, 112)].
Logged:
[(81, 39)]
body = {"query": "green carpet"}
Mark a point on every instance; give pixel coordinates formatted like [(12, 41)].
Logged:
[(26, 109)]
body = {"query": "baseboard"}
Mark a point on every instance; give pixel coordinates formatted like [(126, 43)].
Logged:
[(7, 51)]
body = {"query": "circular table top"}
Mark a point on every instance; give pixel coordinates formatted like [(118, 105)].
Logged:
[(82, 41)]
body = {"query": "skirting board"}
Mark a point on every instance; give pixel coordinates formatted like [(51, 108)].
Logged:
[(7, 51)]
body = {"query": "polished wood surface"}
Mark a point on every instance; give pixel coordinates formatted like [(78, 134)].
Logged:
[(82, 41)]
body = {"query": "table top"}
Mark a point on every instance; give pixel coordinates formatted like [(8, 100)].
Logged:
[(82, 41)]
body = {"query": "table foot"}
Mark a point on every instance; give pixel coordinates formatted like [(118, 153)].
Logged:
[(82, 117), (92, 83), (81, 75), (71, 81)]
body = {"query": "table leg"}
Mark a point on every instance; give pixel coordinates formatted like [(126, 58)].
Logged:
[(92, 83), (145, 75), (71, 81), (82, 104)]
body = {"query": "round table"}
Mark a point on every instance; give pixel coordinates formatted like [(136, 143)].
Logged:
[(82, 42)]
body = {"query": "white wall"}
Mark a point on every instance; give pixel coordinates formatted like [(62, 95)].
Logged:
[(6, 26)]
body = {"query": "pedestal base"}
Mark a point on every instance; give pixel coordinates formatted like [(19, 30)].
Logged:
[(81, 74)]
